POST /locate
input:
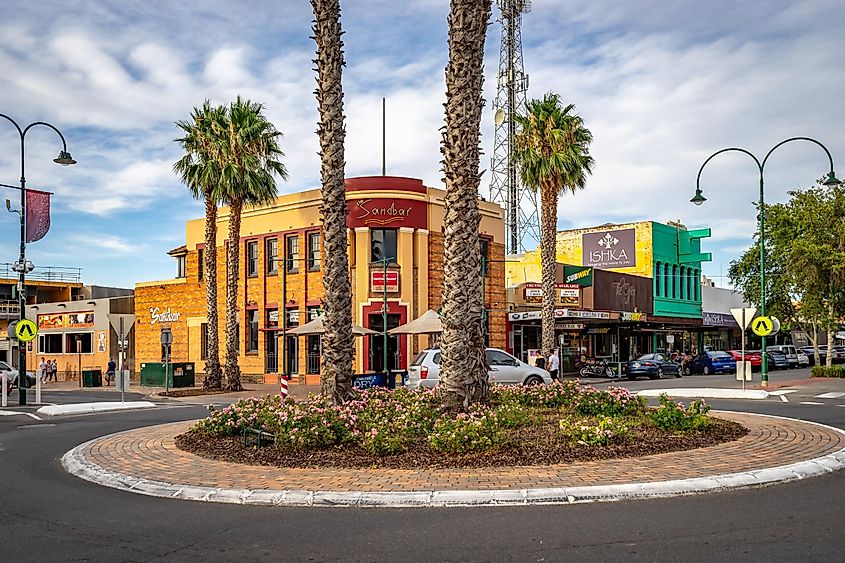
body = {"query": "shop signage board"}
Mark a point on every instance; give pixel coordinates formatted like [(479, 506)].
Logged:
[(83, 319), (157, 315), (633, 317), (613, 291), (718, 319), (377, 281), (566, 294), (571, 326), (559, 314), (598, 330), (579, 275), (610, 249), (387, 212)]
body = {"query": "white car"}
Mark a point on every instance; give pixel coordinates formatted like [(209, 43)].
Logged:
[(424, 371), (803, 359)]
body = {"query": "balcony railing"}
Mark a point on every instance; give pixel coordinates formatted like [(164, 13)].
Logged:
[(9, 309), (44, 273)]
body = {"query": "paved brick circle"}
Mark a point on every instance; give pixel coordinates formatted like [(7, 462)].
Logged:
[(151, 454)]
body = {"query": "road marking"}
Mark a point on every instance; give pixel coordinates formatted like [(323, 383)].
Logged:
[(35, 425), (809, 403), (784, 399), (10, 413), (833, 395), (785, 392)]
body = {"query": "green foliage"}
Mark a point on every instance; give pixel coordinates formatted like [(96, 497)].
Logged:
[(475, 430), (587, 433), (675, 418), (554, 395), (832, 371), (615, 402)]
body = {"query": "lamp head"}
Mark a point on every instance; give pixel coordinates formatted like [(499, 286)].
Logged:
[(698, 199), (64, 159), (832, 180)]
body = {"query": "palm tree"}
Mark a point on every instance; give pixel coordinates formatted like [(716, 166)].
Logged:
[(463, 366), (338, 344), (552, 150), (200, 170), (249, 153)]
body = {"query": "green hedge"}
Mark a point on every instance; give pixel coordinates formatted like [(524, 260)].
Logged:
[(832, 371)]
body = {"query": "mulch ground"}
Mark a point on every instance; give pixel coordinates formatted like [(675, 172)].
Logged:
[(542, 444)]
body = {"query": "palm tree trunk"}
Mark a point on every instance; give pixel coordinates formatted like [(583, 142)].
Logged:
[(213, 379), (548, 260), (232, 371), (463, 366), (338, 344)]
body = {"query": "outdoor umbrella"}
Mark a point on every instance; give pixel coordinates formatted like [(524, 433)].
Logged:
[(427, 323), (316, 327)]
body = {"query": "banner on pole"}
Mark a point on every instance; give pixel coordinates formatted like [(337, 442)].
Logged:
[(37, 215)]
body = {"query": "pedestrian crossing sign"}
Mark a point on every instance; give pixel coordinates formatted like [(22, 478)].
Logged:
[(26, 330), (762, 326)]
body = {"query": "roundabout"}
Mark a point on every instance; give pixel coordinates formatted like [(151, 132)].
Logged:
[(776, 449)]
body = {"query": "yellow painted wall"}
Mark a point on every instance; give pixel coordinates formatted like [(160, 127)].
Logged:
[(526, 267)]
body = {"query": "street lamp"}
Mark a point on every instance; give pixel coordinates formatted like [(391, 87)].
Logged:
[(698, 199), (64, 159)]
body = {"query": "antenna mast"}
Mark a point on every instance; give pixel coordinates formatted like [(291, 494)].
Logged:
[(520, 203)]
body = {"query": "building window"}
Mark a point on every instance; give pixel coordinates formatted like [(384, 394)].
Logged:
[(252, 340), (252, 258), (667, 278), (204, 341), (79, 342), (292, 243), (180, 267), (658, 279), (313, 251), (674, 281), (683, 279), (383, 245), (200, 264), (697, 285), (484, 246), (272, 252), (50, 344)]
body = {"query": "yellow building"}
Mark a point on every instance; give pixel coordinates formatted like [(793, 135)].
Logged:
[(389, 217)]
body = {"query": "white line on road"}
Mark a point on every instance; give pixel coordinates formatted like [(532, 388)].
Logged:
[(784, 399), (809, 403), (832, 395), (783, 392)]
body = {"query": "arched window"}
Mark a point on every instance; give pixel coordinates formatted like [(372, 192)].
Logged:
[(683, 280), (690, 285), (697, 285), (674, 281), (667, 280), (657, 280)]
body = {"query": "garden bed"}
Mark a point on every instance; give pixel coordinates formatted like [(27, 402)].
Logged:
[(553, 424)]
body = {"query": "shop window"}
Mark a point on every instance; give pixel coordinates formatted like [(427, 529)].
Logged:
[(79, 342), (667, 274), (383, 245), (697, 285), (674, 281), (252, 339), (200, 264), (292, 244), (313, 251), (683, 279), (657, 279), (272, 252), (181, 271), (252, 258), (50, 344), (484, 247), (204, 341)]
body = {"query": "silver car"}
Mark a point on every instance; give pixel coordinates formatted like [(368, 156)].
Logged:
[(424, 371)]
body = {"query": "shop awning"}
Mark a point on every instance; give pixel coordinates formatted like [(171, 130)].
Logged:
[(427, 323), (316, 327)]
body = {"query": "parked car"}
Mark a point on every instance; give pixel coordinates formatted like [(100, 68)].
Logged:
[(803, 359), (811, 357), (750, 356), (712, 362), (424, 371), (777, 359), (653, 366), (789, 351), (10, 376)]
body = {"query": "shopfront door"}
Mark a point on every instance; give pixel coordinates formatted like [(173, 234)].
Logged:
[(376, 323)]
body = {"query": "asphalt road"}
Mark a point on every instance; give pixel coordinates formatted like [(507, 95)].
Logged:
[(49, 515)]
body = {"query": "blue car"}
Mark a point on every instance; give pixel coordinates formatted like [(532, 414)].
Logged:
[(651, 365), (712, 362)]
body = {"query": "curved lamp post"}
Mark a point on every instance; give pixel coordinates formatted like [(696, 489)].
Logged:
[(698, 199), (22, 266)]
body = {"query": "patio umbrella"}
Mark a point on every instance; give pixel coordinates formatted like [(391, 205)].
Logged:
[(427, 323), (316, 327)]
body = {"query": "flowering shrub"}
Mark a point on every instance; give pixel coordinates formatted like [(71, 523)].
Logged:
[(616, 401), (676, 418), (465, 432), (588, 433), (553, 395), (246, 413)]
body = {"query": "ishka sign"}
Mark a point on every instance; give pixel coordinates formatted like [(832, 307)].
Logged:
[(384, 212), (610, 249)]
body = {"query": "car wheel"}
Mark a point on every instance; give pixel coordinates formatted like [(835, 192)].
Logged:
[(533, 380), (658, 374), (706, 370), (687, 371)]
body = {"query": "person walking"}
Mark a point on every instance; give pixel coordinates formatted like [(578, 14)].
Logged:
[(42, 371), (110, 369), (554, 365), (52, 370)]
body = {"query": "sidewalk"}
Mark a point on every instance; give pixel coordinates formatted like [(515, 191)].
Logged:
[(775, 450)]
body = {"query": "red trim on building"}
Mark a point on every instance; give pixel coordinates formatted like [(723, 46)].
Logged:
[(388, 183), (313, 303)]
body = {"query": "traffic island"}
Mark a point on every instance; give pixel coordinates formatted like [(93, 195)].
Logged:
[(774, 450)]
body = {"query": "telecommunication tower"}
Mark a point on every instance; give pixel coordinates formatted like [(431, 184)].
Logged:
[(520, 203)]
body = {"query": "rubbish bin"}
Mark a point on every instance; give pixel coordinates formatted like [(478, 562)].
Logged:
[(180, 374), (92, 377)]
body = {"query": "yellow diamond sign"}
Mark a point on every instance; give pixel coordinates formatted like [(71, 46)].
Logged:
[(762, 326)]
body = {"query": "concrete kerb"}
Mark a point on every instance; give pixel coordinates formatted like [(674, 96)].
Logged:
[(90, 408), (706, 393), (75, 463)]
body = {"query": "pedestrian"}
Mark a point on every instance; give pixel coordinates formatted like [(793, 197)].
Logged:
[(554, 365), (53, 371), (110, 371), (42, 369)]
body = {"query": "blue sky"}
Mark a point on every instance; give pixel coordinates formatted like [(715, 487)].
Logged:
[(661, 85)]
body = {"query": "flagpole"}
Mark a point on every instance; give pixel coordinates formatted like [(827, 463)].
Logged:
[(22, 266)]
